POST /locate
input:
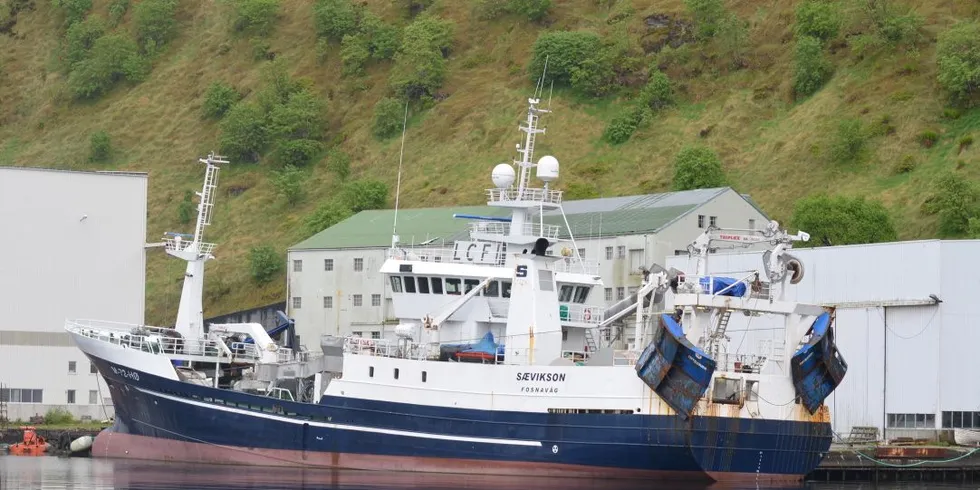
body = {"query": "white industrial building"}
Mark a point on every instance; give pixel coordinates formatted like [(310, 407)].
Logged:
[(334, 285), (72, 247), (905, 326)]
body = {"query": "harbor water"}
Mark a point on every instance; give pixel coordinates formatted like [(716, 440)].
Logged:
[(53, 473)]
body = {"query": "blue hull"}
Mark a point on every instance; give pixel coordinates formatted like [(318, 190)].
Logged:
[(608, 444)]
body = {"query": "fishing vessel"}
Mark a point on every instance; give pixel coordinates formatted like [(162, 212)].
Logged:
[(499, 365)]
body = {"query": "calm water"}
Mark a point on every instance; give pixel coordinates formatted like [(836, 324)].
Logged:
[(51, 473)]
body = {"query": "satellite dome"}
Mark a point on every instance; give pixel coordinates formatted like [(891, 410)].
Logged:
[(547, 169), (503, 175)]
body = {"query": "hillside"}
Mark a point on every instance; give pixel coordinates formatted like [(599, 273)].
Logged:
[(847, 98)]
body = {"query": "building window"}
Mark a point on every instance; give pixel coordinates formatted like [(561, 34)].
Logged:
[(357, 300), (621, 252), (425, 376), (713, 221), (328, 301), (620, 293), (358, 264), (297, 302), (632, 290), (71, 367), (914, 420), (92, 369), (71, 396), (700, 221), (375, 300), (608, 294), (328, 265), (297, 266), (959, 420), (93, 397), (20, 395), (396, 373), (357, 334), (751, 224), (636, 260), (581, 253), (609, 253), (375, 335)]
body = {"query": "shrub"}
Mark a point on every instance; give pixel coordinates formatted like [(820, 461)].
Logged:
[(697, 167), (100, 147), (708, 15), (818, 18), (117, 9), (622, 127), (958, 59), (256, 16), (849, 141), (338, 162), (325, 216), (420, 65), (366, 194), (299, 117), (843, 221), (113, 57), (264, 263), (534, 10), (490, 9), (658, 92), (218, 99), (333, 19), (414, 7), (965, 142), (565, 52), (893, 28), (811, 70), (289, 184), (389, 115), (928, 138), (594, 76), (955, 201), (244, 134), (355, 50), (58, 416), (297, 152), (185, 209), (81, 37), (74, 10), (156, 23), (383, 39)]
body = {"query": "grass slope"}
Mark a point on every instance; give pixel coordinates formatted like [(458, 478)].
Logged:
[(771, 146)]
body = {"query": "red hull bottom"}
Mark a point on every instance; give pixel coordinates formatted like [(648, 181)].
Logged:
[(127, 446)]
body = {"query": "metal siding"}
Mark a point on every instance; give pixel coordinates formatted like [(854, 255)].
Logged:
[(55, 265), (858, 401), (959, 337)]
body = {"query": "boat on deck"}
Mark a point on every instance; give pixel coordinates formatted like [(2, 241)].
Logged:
[(547, 395)]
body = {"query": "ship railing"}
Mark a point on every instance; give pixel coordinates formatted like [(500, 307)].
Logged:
[(497, 228), (373, 347), (580, 313), (536, 195), (577, 266), (739, 363), (161, 341), (173, 244), (575, 355), (625, 357), (705, 284), (461, 255)]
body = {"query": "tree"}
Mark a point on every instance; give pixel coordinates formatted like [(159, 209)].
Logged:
[(842, 220), (366, 194), (697, 167)]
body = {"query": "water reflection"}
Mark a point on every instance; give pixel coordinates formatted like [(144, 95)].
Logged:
[(37, 473)]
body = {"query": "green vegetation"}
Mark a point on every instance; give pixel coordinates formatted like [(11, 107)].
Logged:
[(783, 101)]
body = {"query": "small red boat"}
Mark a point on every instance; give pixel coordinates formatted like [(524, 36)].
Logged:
[(32, 445)]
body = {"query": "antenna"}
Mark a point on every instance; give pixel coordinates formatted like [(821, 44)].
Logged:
[(398, 186)]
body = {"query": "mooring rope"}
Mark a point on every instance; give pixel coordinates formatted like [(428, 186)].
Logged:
[(894, 465)]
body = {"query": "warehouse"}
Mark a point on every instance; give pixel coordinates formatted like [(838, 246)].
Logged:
[(70, 250), (905, 326), (334, 286)]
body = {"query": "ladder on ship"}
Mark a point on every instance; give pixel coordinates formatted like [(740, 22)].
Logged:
[(590, 340)]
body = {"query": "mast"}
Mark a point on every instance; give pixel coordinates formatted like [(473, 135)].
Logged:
[(190, 313)]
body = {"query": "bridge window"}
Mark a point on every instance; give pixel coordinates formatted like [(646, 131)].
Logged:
[(409, 284), (423, 285), (396, 373), (425, 376), (370, 371), (566, 294), (581, 294), (492, 289), (396, 284), (453, 286), (470, 284), (436, 285), (505, 290), (727, 390)]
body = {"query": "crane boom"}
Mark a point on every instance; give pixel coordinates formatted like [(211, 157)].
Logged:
[(777, 261)]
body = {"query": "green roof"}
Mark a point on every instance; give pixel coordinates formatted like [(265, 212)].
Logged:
[(373, 228), (608, 216)]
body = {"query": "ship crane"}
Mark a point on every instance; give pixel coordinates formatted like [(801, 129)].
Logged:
[(776, 261)]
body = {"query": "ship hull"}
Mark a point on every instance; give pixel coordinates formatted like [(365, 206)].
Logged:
[(165, 419)]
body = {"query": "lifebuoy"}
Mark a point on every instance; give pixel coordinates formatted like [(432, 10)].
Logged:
[(588, 314)]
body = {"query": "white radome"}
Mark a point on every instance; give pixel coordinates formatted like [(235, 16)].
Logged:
[(503, 175), (547, 169)]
